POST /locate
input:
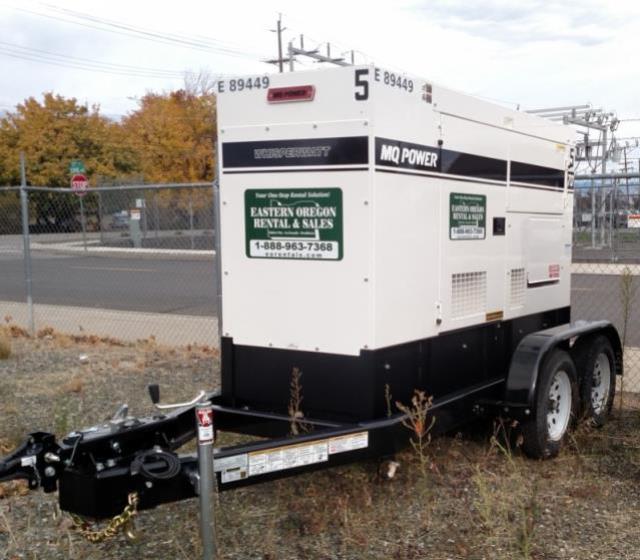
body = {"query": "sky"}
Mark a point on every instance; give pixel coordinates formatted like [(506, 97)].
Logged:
[(526, 53)]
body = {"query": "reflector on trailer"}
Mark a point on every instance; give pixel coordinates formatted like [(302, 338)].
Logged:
[(292, 93)]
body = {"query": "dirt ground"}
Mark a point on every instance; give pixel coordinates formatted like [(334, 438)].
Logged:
[(478, 499)]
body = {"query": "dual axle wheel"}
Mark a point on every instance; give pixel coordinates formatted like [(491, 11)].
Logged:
[(568, 389)]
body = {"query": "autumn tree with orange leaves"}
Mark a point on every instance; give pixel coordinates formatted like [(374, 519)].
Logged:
[(173, 137), (54, 131), (51, 133), (169, 138)]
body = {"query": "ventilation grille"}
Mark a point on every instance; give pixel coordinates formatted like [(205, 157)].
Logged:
[(518, 287), (468, 294)]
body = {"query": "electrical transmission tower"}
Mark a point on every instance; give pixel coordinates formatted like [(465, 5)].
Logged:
[(594, 154), (591, 119), (314, 54)]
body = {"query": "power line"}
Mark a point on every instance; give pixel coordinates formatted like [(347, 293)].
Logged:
[(195, 39), (111, 26), (40, 55), (76, 66)]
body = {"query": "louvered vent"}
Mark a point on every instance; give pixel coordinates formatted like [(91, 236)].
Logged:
[(468, 294), (518, 287)]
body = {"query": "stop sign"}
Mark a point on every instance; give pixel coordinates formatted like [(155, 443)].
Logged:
[(79, 184)]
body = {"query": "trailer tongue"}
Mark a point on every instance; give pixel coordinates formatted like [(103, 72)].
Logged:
[(96, 469), (379, 234)]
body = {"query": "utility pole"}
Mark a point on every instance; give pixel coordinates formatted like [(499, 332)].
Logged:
[(279, 32), (290, 56), (280, 60)]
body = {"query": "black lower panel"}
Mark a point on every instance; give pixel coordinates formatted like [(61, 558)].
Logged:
[(354, 388)]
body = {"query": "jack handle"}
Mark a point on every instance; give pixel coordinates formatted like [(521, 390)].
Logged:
[(154, 393)]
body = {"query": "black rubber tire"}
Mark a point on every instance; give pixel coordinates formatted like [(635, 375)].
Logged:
[(585, 357), (536, 441)]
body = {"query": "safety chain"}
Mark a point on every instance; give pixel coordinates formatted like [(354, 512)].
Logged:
[(115, 525)]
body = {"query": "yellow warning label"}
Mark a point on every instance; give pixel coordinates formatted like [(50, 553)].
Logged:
[(494, 316)]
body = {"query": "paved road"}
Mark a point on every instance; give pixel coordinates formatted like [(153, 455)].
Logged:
[(597, 296), (161, 286)]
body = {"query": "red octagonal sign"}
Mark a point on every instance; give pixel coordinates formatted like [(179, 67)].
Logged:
[(79, 184)]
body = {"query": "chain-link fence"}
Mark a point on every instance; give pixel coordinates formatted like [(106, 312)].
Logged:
[(606, 220), (126, 262), (134, 262), (606, 260)]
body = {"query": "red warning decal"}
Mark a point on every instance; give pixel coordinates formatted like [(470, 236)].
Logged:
[(204, 417)]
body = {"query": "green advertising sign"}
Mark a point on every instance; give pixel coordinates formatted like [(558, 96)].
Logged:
[(76, 166), (294, 223), (467, 216)]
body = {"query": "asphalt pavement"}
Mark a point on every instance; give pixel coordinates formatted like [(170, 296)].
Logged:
[(181, 287)]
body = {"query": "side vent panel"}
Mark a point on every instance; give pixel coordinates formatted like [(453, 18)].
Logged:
[(468, 294), (518, 287)]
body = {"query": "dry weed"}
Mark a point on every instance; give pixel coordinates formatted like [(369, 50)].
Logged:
[(417, 420), (298, 425), (74, 385), (13, 488), (5, 347)]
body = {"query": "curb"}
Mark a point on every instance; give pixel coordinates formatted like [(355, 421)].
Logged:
[(133, 253)]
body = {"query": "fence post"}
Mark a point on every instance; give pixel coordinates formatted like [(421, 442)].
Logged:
[(24, 204), (83, 223), (191, 220), (100, 217), (157, 214)]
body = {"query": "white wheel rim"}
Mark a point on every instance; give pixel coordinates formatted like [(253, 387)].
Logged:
[(600, 383), (559, 410)]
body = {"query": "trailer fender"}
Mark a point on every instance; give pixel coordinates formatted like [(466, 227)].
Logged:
[(531, 351)]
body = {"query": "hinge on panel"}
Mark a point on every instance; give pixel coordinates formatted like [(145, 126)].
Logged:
[(438, 312)]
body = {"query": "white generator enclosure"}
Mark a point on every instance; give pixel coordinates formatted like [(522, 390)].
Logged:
[(378, 229)]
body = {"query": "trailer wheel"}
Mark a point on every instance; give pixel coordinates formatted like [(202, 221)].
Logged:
[(555, 407), (596, 365)]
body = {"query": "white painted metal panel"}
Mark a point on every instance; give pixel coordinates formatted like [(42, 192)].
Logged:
[(298, 304), (468, 107), (406, 278)]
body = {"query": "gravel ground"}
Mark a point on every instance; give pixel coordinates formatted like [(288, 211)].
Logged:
[(477, 500)]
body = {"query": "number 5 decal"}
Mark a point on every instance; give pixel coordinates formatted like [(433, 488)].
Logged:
[(362, 81)]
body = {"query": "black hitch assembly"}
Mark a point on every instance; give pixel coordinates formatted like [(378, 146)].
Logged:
[(96, 469)]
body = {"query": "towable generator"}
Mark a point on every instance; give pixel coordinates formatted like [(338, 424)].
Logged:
[(378, 235)]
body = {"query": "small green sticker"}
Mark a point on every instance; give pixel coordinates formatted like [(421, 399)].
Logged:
[(294, 224), (467, 216), (76, 166)]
